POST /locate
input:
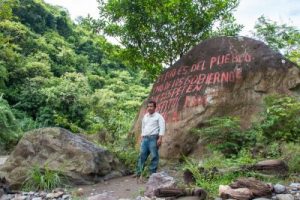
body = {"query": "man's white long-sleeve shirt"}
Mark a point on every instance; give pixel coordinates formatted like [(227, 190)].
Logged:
[(153, 124)]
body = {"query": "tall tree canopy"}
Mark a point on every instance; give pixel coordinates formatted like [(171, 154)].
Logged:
[(280, 37), (158, 32), (54, 72)]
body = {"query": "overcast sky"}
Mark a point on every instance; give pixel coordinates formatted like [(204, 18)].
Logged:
[(282, 11)]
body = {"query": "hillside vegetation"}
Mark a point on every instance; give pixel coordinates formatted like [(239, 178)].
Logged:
[(55, 72)]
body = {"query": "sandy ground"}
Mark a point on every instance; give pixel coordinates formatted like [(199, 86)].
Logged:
[(124, 187), (119, 188)]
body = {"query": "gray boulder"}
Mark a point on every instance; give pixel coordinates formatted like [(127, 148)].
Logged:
[(57, 149), (158, 180)]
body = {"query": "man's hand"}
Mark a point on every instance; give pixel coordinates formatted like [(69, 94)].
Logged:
[(140, 139), (159, 141)]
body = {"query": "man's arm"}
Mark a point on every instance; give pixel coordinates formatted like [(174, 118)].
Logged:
[(162, 127)]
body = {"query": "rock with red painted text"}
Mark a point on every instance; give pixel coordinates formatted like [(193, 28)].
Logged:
[(223, 76)]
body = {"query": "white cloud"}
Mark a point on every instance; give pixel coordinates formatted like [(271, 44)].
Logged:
[(282, 11), (78, 8)]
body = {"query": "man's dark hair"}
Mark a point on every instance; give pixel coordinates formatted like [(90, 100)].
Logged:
[(152, 102)]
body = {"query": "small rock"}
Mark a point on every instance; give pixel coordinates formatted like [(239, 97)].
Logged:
[(54, 195), (279, 189), (66, 196), (43, 194), (37, 198), (6, 197), (295, 185), (285, 197), (142, 198), (103, 196), (17, 197)]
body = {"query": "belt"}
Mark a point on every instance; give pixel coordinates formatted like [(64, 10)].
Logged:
[(150, 136)]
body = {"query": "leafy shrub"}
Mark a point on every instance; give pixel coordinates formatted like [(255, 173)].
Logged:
[(225, 135), (9, 129), (125, 151), (42, 179), (291, 154), (281, 119)]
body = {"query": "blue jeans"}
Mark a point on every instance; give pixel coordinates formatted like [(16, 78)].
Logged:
[(148, 146)]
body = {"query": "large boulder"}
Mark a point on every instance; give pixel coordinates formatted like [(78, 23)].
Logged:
[(57, 149), (219, 77)]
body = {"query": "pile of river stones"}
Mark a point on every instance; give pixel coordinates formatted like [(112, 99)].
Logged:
[(58, 194), (281, 192)]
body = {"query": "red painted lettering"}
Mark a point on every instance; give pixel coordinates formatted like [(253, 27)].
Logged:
[(224, 77), (175, 117), (238, 73), (201, 78), (247, 57), (209, 79), (197, 88), (202, 65), (217, 77), (231, 76), (227, 58), (212, 61), (182, 70), (236, 59), (195, 67), (189, 89)]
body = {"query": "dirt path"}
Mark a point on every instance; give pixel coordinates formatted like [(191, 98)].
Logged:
[(119, 188), (124, 188)]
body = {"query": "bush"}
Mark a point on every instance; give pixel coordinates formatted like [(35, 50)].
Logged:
[(226, 135), (125, 150), (291, 154), (281, 119), (9, 129)]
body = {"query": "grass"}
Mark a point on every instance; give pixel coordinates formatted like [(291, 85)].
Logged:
[(218, 170), (43, 179)]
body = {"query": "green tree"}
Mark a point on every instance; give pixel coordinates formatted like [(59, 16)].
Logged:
[(9, 129), (66, 100), (280, 37), (6, 9), (115, 105), (156, 32)]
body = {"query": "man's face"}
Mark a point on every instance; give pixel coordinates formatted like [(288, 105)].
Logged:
[(150, 108)]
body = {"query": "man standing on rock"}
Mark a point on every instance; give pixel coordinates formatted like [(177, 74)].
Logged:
[(153, 129)]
